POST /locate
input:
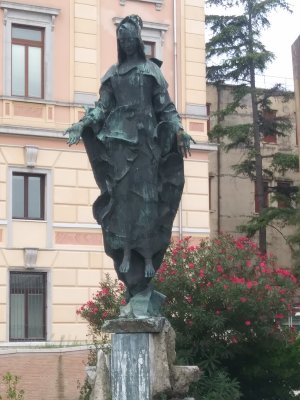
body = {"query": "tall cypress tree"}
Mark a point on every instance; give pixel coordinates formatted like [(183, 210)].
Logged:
[(236, 54)]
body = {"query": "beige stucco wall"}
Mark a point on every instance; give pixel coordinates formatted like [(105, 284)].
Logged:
[(69, 241), (296, 70), (237, 195)]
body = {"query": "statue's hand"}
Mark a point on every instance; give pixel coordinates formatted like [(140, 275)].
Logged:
[(184, 143), (74, 132)]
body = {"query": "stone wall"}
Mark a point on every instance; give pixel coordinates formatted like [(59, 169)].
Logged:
[(46, 374)]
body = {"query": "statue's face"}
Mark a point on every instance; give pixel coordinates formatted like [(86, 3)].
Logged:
[(128, 43)]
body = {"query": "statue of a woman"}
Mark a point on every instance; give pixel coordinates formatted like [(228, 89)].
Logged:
[(135, 143)]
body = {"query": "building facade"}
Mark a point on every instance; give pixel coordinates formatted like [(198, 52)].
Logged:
[(233, 198), (54, 53), (296, 72)]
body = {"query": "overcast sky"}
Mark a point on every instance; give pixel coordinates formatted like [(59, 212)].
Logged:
[(284, 30)]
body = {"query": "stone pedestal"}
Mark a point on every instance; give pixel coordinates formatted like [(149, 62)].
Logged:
[(142, 362)]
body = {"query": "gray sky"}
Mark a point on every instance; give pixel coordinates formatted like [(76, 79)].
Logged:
[(284, 30)]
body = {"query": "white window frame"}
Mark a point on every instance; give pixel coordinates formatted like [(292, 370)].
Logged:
[(48, 307), (152, 32), (35, 16), (48, 202), (158, 3)]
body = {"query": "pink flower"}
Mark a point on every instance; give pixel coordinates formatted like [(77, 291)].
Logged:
[(268, 287), (262, 264), (279, 316), (248, 263), (234, 340), (105, 291), (191, 265), (220, 269), (104, 314), (123, 302), (201, 273), (236, 279), (249, 285), (240, 245), (218, 312), (243, 299), (247, 323), (189, 299), (225, 287)]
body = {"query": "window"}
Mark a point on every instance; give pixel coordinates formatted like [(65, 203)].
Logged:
[(208, 115), (266, 196), (27, 54), (285, 193), (28, 196), (149, 48), (268, 120), (24, 22), (27, 306)]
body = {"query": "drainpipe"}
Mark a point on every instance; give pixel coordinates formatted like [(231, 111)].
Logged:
[(175, 52), (219, 163), (176, 93)]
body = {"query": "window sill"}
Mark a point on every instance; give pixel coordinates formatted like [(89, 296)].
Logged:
[(29, 220)]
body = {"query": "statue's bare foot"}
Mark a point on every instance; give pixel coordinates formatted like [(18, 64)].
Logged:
[(124, 267), (149, 270)]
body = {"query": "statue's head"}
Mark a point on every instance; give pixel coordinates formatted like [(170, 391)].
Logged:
[(129, 37)]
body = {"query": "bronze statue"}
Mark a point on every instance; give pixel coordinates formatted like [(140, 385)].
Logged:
[(135, 143)]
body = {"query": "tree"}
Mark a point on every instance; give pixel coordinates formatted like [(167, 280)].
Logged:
[(236, 54)]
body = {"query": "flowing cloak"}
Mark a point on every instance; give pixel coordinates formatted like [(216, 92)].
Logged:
[(132, 148)]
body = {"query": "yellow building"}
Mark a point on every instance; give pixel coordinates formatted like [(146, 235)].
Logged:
[(54, 53)]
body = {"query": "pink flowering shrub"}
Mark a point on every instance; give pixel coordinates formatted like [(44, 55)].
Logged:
[(104, 305), (227, 285), (228, 305)]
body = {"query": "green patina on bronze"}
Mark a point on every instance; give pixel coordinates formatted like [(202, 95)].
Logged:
[(135, 143)]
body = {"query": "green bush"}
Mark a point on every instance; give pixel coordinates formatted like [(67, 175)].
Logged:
[(227, 304)]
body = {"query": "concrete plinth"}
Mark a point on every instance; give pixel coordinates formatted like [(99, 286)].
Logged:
[(130, 366), (142, 362)]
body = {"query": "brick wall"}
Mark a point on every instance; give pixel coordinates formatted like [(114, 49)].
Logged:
[(46, 374)]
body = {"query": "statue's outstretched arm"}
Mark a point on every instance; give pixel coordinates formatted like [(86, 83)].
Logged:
[(166, 111), (94, 116)]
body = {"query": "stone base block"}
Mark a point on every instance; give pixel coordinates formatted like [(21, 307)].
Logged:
[(142, 363)]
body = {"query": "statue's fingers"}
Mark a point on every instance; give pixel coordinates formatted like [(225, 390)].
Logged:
[(180, 150), (184, 150), (71, 140)]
